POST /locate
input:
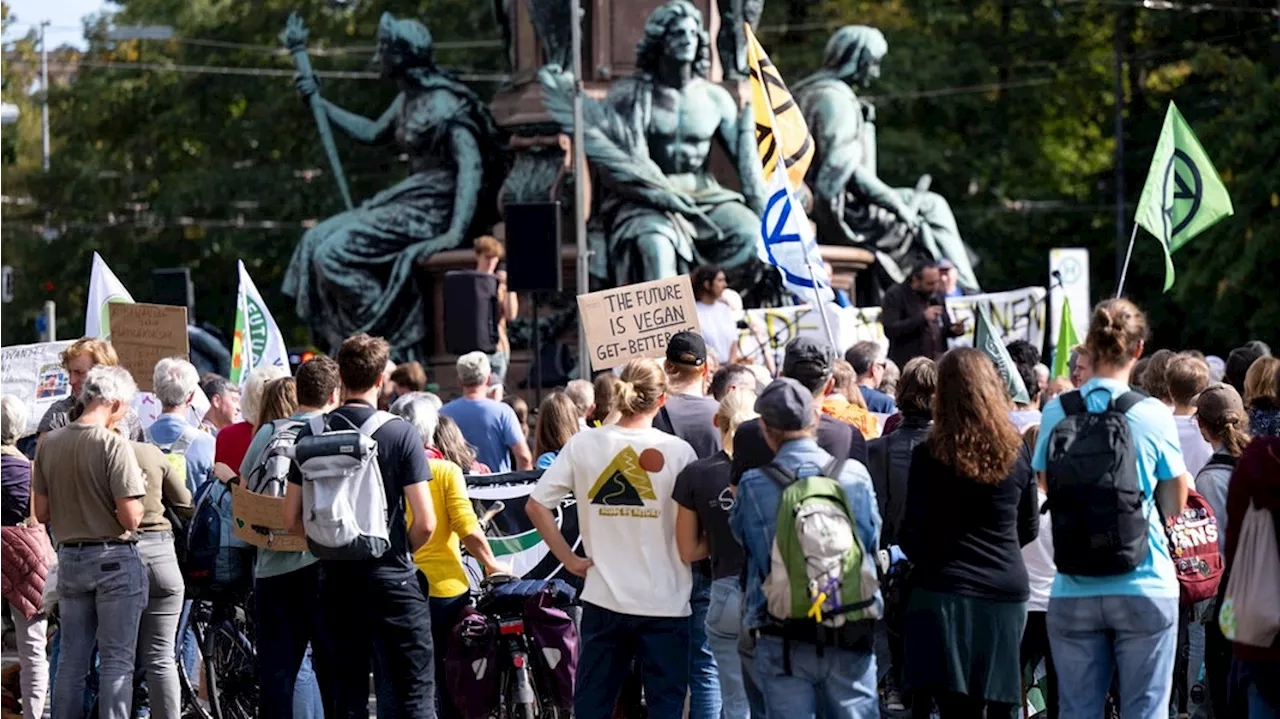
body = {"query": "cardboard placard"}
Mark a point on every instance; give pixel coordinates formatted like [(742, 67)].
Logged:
[(636, 320), (34, 374), (259, 520), (145, 334)]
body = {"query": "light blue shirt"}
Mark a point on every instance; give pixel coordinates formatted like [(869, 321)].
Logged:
[(545, 460), (271, 563), (754, 517), (166, 430), (491, 427), (1155, 439)]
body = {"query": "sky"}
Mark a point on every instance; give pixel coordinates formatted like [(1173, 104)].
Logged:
[(64, 16)]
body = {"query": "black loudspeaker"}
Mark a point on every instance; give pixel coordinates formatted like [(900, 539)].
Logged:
[(470, 312), (533, 247), (172, 286)]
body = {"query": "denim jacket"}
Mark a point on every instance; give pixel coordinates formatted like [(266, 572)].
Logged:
[(754, 517)]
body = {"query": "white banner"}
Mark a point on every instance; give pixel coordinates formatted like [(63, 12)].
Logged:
[(1069, 274), (104, 288), (34, 374), (1016, 314)]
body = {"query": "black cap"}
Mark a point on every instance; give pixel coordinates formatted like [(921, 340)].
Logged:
[(786, 405), (687, 348), (809, 362)]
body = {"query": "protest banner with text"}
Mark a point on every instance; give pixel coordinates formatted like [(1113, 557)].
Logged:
[(636, 320), (34, 374), (144, 334)]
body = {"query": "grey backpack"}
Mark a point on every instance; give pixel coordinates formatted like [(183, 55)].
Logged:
[(344, 502), (270, 476)]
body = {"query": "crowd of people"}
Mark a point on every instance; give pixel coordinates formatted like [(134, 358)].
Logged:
[(835, 541)]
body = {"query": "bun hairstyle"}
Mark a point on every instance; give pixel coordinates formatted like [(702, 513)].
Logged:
[(1115, 331), (1221, 414), (737, 407), (640, 387)]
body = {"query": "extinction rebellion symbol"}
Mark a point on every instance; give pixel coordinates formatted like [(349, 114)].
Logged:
[(1182, 184)]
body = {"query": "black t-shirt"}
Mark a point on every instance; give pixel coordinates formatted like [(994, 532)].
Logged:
[(964, 537), (704, 488), (692, 419), (835, 437), (403, 462)]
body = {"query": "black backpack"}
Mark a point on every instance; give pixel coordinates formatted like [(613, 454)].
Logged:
[(1099, 526)]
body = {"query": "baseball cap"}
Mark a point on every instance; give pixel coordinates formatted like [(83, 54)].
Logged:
[(1221, 401), (808, 361), (786, 405), (687, 348)]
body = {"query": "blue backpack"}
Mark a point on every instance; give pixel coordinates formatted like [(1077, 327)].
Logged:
[(217, 560)]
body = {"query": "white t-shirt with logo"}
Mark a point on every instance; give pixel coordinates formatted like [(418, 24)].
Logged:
[(622, 480), (719, 328)]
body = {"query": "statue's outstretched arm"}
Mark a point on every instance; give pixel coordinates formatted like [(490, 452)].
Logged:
[(361, 128), (737, 134)]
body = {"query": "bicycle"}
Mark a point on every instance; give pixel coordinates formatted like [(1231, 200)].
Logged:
[(224, 656)]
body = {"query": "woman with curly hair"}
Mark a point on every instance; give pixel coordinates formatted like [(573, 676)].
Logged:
[(971, 505)]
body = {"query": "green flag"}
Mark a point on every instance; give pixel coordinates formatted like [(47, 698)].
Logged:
[(986, 339), (1183, 194), (1067, 339)]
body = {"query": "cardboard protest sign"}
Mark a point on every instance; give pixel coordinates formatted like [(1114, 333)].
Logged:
[(633, 321), (144, 334), (34, 374), (259, 520)]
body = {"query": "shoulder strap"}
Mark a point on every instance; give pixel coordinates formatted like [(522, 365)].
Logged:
[(1128, 400), (146, 433), (780, 476), (374, 423), (317, 425), (1072, 403), (834, 468), (184, 440)]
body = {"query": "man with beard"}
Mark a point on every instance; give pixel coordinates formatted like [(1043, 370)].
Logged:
[(915, 318)]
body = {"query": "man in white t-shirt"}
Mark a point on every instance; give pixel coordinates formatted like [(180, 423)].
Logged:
[(717, 320), (1187, 377), (635, 601)]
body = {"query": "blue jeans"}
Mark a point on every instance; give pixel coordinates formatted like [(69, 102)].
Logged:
[(102, 592), (306, 692), (834, 684), (724, 627), (609, 643), (1136, 637), (704, 682)]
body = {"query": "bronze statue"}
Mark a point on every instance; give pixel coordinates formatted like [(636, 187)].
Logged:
[(903, 226), (662, 209), (731, 42), (354, 271)]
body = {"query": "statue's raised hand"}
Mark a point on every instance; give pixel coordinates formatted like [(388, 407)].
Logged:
[(307, 85)]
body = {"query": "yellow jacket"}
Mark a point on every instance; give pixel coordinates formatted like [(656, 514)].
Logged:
[(441, 558)]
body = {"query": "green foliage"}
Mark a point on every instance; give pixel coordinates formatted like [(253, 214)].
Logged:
[(1008, 104)]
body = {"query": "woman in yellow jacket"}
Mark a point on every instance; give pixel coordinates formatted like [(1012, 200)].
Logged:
[(439, 561)]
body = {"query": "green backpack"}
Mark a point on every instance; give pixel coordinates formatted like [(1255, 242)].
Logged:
[(818, 569)]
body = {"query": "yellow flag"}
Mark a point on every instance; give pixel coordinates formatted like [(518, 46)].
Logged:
[(781, 132)]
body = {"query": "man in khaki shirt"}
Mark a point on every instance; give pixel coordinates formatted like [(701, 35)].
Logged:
[(88, 488)]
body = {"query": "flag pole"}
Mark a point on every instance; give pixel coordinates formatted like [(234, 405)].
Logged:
[(1128, 253), (818, 304)]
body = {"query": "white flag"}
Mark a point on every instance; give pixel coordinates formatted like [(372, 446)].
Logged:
[(787, 242), (104, 289), (258, 342)]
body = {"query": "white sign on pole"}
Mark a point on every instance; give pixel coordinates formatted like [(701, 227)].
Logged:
[(1069, 275)]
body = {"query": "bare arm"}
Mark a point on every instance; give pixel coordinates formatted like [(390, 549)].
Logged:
[(524, 458), (691, 542), (545, 522), (40, 505), (1172, 494), (129, 512), (424, 515), (510, 301), (361, 128), (478, 546)]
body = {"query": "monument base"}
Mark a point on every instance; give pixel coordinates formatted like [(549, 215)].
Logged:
[(846, 262)]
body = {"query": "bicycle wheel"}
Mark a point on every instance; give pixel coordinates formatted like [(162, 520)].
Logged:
[(230, 673), (195, 619)]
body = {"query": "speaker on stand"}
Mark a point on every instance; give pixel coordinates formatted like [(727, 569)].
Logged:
[(533, 263)]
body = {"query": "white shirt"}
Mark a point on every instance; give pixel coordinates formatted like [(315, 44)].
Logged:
[(1038, 556), (623, 480), (719, 328), (1195, 451)]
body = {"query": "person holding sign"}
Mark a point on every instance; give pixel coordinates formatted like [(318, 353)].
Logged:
[(82, 356)]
